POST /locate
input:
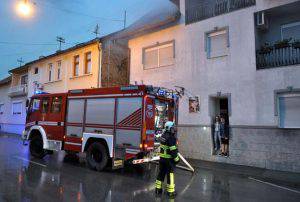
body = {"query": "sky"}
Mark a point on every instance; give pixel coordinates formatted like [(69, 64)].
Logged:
[(75, 20)]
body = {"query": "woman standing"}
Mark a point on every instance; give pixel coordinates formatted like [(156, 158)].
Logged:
[(217, 137), (224, 133)]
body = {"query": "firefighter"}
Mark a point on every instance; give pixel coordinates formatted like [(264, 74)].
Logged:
[(168, 159)]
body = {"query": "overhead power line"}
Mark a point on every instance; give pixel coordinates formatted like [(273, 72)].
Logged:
[(79, 13), (29, 44)]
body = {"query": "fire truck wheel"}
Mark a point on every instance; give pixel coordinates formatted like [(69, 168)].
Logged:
[(36, 147), (97, 156)]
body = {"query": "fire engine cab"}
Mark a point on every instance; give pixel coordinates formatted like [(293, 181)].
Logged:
[(114, 125)]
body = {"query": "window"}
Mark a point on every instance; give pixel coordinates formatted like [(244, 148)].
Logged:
[(76, 66), (56, 105), (45, 105), (35, 105), (88, 62), (1, 108), (291, 30), (24, 79), (58, 70), (159, 56), (50, 72), (289, 110), (17, 108), (36, 70), (217, 43)]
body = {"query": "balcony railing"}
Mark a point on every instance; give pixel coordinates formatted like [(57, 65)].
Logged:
[(209, 8), (19, 90), (277, 57)]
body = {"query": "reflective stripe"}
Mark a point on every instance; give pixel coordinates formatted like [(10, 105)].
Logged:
[(173, 147), (176, 159), (158, 184), (166, 156), (171, 186), (165, 147)]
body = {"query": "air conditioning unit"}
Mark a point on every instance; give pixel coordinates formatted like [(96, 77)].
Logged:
[(261, 20)]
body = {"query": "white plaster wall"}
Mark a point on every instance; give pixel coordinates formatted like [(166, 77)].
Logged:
[(252, 91)]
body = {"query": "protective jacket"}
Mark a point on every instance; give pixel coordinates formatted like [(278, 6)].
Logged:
[(168, 147), (168, 158)]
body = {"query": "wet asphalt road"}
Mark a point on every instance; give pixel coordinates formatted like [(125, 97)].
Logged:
[(64, 178)]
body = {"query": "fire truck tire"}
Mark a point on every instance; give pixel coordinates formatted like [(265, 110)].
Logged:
[(97, 156), (36, 147)]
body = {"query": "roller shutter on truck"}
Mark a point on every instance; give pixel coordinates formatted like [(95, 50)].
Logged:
[(129, 121)]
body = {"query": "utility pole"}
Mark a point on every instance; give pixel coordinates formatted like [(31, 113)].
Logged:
[(60, 40), (125, 18), (96, 31), (20, 61)]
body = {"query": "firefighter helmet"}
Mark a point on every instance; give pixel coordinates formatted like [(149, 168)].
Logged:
[(169, 125)]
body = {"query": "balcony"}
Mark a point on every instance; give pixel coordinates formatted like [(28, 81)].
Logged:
[(271, 57), (20, 90), (277, 36), (197, 10)]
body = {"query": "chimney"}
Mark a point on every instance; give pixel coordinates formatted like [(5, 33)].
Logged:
[(176, 2)]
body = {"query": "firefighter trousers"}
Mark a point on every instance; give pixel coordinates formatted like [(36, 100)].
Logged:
[(166, 168)]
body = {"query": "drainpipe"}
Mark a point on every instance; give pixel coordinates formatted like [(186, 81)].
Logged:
[(108, 65), (99, 84)]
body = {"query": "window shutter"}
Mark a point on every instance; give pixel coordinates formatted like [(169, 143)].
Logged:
[(166, 56), (289, 111), (151, 58)]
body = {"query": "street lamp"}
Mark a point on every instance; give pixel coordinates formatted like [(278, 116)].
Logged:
[(24, 8)]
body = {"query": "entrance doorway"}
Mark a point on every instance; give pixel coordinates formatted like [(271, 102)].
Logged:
[(219, 107)]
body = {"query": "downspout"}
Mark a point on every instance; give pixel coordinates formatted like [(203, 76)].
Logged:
[(99, 84), (108, 65)]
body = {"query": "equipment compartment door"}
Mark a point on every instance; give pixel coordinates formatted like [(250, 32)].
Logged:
[(129, 122), (74, 124)]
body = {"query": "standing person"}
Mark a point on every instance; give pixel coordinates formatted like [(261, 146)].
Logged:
[(224, 133), (168, 159), (217, 138)]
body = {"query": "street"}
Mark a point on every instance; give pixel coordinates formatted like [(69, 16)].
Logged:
[(65, 178)]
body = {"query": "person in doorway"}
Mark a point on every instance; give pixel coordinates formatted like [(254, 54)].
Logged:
[(224, 133), (168, 159), (217, 138)]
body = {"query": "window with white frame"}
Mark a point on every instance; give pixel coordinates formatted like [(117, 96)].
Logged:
[(159, 55), (17, 108), (1, 108), (58, 70), (289, 110), (217, 43), (50, 70), (291, 31)]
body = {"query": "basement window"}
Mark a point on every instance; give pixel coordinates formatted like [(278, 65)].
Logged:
[(159, 55)]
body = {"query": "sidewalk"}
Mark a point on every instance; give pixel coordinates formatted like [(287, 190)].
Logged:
[(280, 178)]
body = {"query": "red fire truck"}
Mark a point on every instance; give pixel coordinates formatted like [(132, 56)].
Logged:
[(114, 125)]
